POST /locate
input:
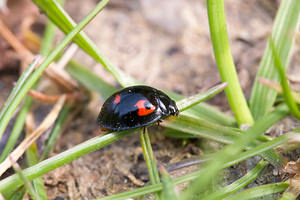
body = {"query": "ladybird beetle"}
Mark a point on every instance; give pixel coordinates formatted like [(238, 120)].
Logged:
[(135, 106)]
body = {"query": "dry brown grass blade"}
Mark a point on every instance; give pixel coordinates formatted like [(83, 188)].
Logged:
[(47, 122), (53, 98), (277, 87), (57, 74), (14, 42), (68, 54)]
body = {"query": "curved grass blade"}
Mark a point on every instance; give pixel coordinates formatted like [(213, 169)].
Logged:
[(26, 182), (38, 72), (63, 21), (232, 150), (38, 185), (285, 25), (95, 83), (8, 184), (6, 113), (201, 128), (56, 13), (56, 161), (27, 72), (57, 128), (17, 129), (289, 195), (260, 191), (90, 80), (239, 184), (225, 63), (19, 123), (193, 100), (18, 194), (71, 154), (168, 186), (192, 176), (287, 93)]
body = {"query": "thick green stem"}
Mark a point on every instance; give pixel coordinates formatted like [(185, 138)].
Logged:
[(219, 37)]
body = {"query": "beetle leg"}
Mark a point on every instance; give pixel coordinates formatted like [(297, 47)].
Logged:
[(159, 121)]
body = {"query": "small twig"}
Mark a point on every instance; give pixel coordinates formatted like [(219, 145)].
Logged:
[(130, 176), (53, 98), (47, 122), (14, 42), (56, 74)]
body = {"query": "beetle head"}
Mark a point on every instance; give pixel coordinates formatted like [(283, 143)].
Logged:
[(173, 110)]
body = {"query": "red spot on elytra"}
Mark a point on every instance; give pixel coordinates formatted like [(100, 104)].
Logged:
[(117, 99), (142, 109)]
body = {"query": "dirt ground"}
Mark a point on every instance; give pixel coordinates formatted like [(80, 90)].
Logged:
[(165, 44)]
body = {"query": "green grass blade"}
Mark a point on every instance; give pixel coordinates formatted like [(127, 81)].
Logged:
[(38, 72), (232, 150), (168, 186), (260, 191), (134, 193), (57, 128), (48, 39), (149, 158), (95, 83), (287, 92), (17, 194), (219, 38), (239, 184), (192, 176), (26, 182), (193, 100), (25, 75), (20, 121), (90, 80), (63, 21), (259, 149), (31, 153), (206, 129), (201, 128), (47, 165), (17, 129), (56, 161), (38, 185), (209, 113), (285, 25), (9, 107), (289, 195)]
